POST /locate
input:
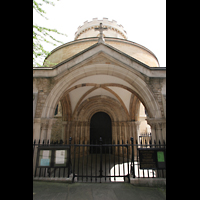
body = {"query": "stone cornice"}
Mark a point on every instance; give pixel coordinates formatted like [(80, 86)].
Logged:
[(106, 39), (93, 50)]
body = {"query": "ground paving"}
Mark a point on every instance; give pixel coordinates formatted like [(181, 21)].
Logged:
[(95, 191)]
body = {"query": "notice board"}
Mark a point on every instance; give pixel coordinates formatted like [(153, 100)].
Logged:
[(53, 156), (152, 158)]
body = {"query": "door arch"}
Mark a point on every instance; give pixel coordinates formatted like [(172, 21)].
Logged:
[(100, 126)]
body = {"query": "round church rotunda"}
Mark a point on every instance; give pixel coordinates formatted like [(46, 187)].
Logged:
[(99, 78), (114, 35)]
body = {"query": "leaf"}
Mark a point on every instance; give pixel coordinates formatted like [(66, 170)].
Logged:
[(42, 34)]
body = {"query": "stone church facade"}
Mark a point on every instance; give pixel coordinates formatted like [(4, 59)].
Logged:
[(88, 75)]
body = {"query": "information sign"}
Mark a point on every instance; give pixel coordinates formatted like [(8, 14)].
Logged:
[(60, 158), (147, 159), (160, 156), (45, 158), (161, 160), (152, 158), (53, 156)]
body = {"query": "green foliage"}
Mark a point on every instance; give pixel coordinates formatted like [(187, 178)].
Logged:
[(42, 34)]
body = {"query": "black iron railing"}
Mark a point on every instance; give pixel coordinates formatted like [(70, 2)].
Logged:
[(99, 161)]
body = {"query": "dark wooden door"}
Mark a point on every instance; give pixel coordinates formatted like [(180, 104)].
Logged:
[(100, 126)]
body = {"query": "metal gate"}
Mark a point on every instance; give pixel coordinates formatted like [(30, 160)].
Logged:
[(101, 162)]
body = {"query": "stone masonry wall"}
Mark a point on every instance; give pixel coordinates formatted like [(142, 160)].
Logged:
[(155, 84), (56, 133), (44, 86)]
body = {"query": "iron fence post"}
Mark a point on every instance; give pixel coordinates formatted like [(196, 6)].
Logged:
[(133, 168), (70, 164), (100, 140)]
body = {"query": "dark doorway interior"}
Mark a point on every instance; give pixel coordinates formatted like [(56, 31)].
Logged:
[(100, 126)]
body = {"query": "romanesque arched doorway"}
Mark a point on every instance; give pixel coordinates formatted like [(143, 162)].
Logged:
[(100, 126)]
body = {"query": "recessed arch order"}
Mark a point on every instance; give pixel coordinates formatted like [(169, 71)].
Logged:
[(138, 88)]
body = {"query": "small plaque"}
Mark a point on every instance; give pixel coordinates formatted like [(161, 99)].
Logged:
[(60, 157), (160, 156), (45, 158), (161, 160), (152, 158), (44, 162), (147, 159)]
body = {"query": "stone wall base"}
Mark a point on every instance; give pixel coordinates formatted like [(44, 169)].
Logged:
[(55, 179), (148, 181)]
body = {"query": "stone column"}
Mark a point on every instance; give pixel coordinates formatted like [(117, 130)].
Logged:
[(135, 135), (159, 132), (51, 122), (137, 130), (126, 132), (86, 126), (114, 131), (35, 97), (74, 131), (118, 132), (158, 129), (88, 131), (164, 130), (36, 129), (68, 131), (153, 132), (44, 128), (122, 132), (64, 131), (132, 129), (85, 134)]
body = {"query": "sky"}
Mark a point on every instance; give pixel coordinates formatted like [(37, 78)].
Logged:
[(143, 20)]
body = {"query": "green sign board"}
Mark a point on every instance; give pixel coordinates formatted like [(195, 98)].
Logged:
[(160, 156)]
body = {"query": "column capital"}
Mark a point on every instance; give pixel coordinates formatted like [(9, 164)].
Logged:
[(153, 121), (44, 123), (37, 120), (137, 123)]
